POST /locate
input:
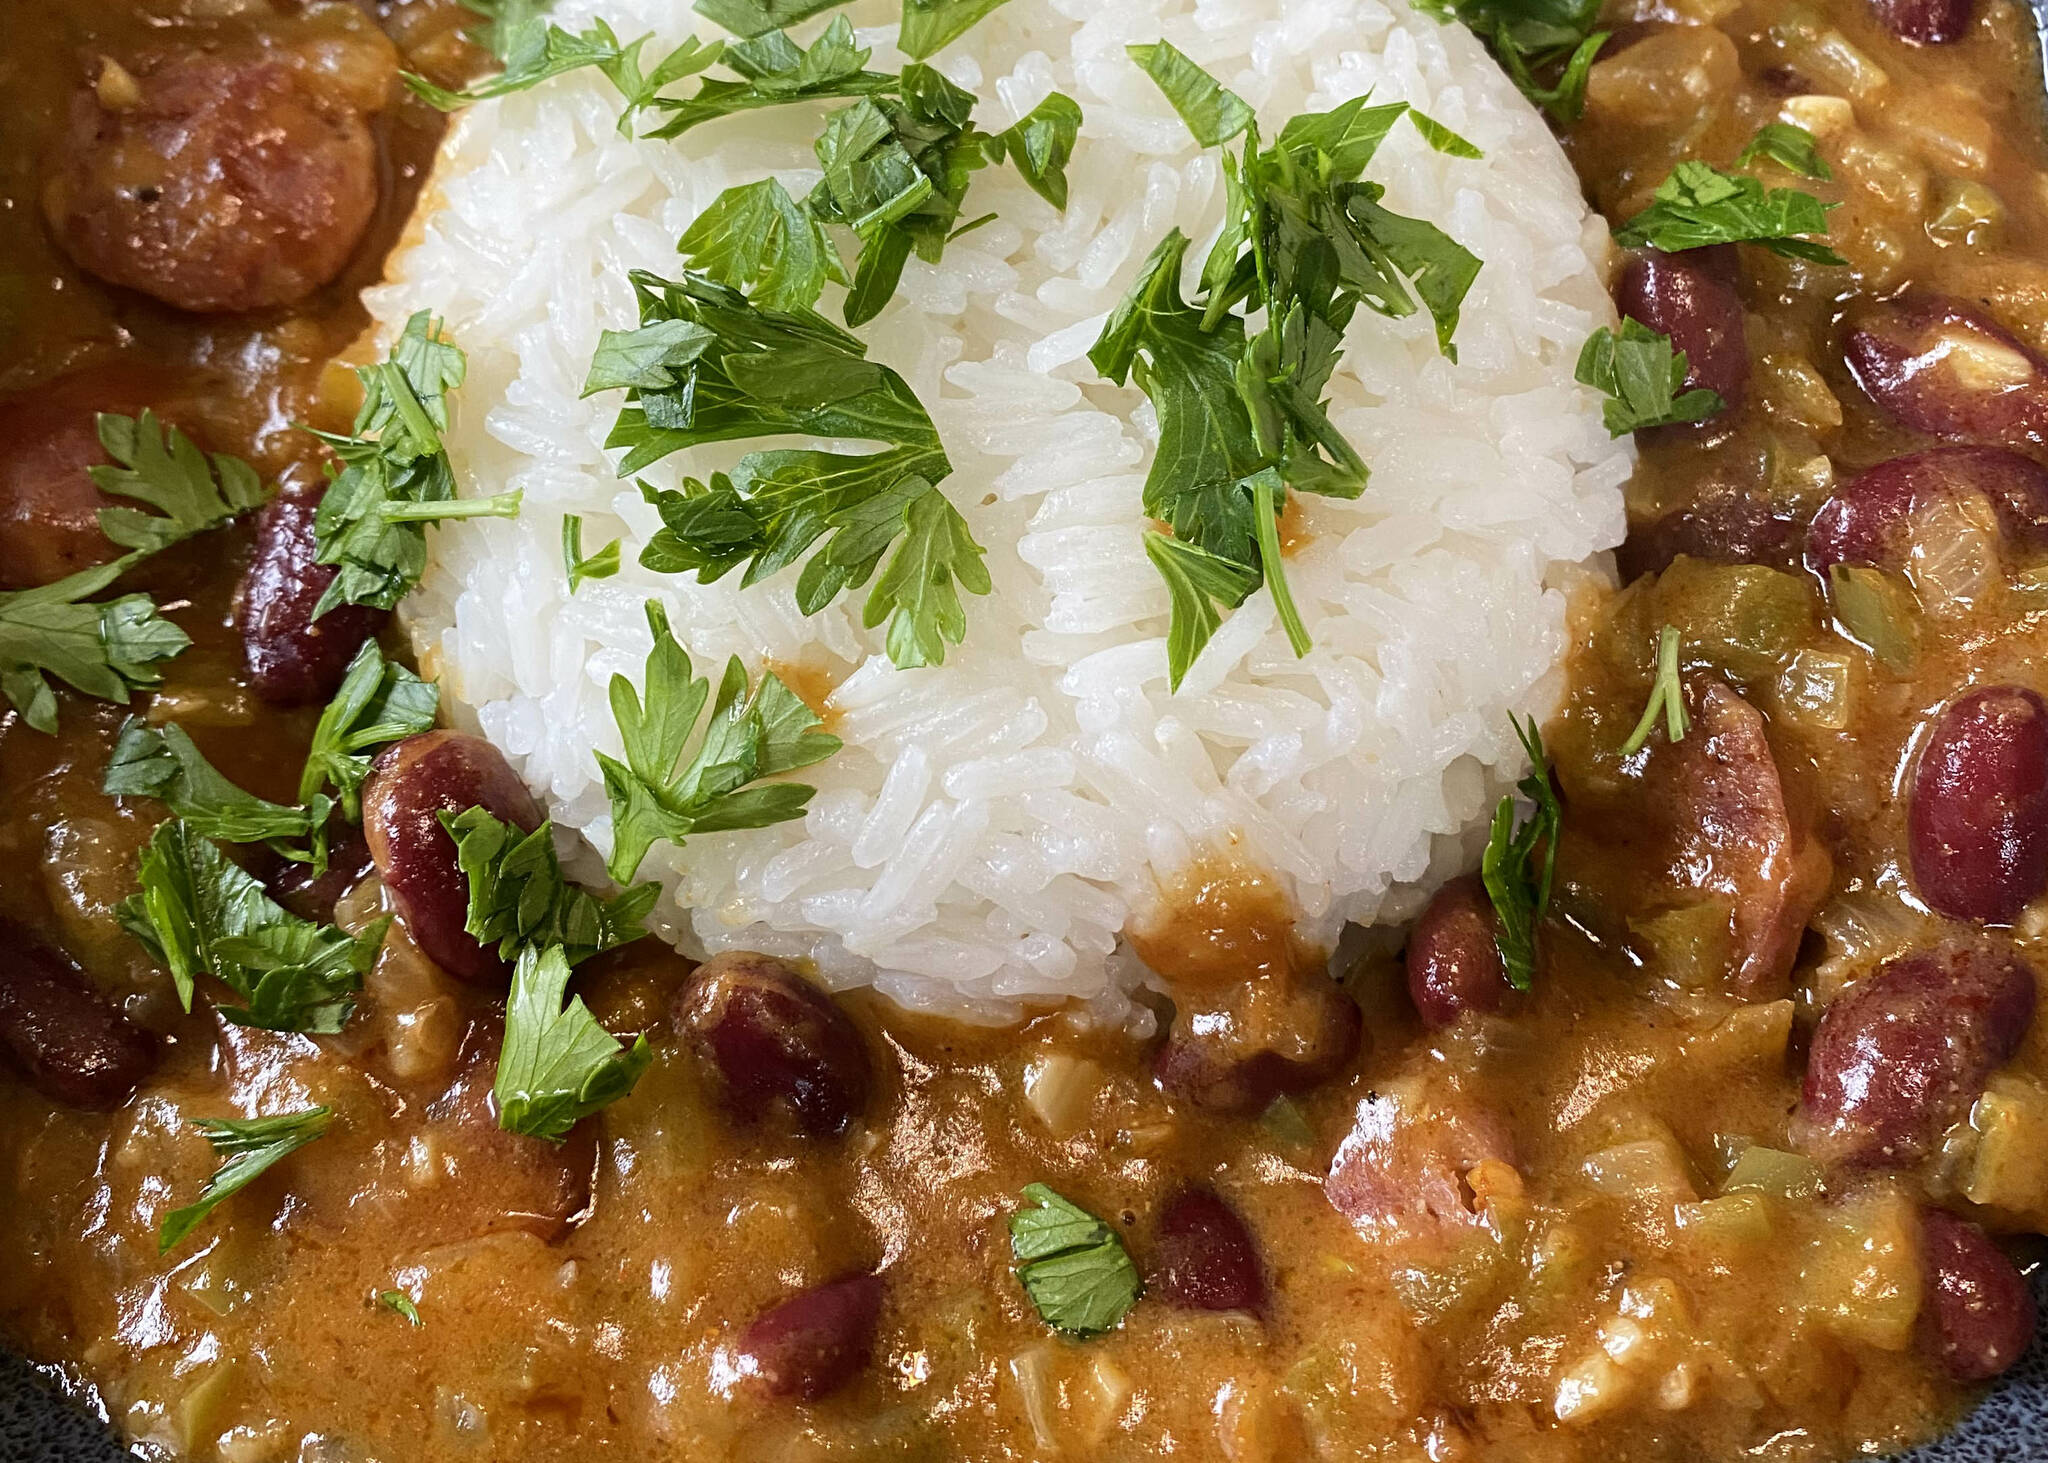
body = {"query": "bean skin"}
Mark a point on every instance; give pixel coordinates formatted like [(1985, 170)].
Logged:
[(1237, 1056), (312, 896), (1977, 814), (1687, 297), (1870, 519), (292, 658), (812, 1344), (1924, 22), (1944, 367), (1454, 965), (71, 1043), (411, 783), (1904, 1054), (778, 1042), (1207, 1260), (1978, 1315)]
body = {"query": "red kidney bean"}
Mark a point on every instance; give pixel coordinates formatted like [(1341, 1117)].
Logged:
[(312, 896), (1977, 814), (1723, 528), (489, 1181), (230, 183), (1206, 1258), (292, 658), (1978, 1316), (1903, 1054), (1924, 22), (1869, 520), (1454, 965), (1244, 1046), (410, 785), (1945, 367), (812, 1344), (777, 1041), (71, 1043), (1690, 298)]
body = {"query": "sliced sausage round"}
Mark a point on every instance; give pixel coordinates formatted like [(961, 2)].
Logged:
[(814, 1343), (1942, 366), (1978, 1316), (225, 183), (1904, 1054), (292, 658), (412, 783), (1207, 1260), (777, 1041), (71, 1043), (1977, 812), (1688, 297), (1454, 963), (1869, 520)]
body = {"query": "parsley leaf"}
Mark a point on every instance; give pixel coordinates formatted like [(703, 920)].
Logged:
[(1442, 139), (1197, 582), (656, 795), (378, 701), (1644, 378), (533, 51), (756, 238), (518, 897), (1789, 146), (105, 648), (601, 565), (166, 764), (1533, 39), (161, 467), (929, 25), (395, 476), (1667, 696), (1212, 113), (401, 1303), (1520, 893), (1073, 1267), (1040, 145), (1699, 205), (775, 72), (199, 913), (558, 1065), (750, 18), (250, 1145)]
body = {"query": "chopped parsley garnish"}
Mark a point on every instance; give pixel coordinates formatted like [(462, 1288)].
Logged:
[(1667, 698), (655, 794), (1644, 379), (160, 467), (518, 897), (401, 1303), (1040, 145), (395, 476), (1699, 205), (105, 648), (601, 565), (1789, 146), (558, 1065), (750, 18), (250, 1145), (199, 913), (756, 238), (1547, 47), (1242, 421), (771, 373), (1519, 890), (1072, 1265), (929, 25), (378, 701), (534, 51), (164, 763), (774, 72)]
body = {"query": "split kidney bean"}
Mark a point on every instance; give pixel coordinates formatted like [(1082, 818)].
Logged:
[(1977, 1317), (777, 1041), (1691, 298), (1268, 1036), (1944, 367), (1870, 519), (71, 1043), (1977, 814), (1454, 965), (812, 1344), (1904, 1054), (1207, 1260), (410, 785), (1924, 22), (292, 658)]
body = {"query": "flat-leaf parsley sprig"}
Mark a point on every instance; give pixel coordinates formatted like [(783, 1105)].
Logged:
[(557, 1065), (250, 1145), (105, 648), (1643, 376), (1547, 47), (1075, 1270), (712, 366), (1242, 421), (1517, 883)]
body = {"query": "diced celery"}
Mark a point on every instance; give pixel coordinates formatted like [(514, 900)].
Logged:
[(1814, 689), (2009, 1171), (1861, 1278), (1745, 618), (1878, 611), (1775, 1172), (1692, 946), (1729, 1221), (1966, 213), (1650, 1168)]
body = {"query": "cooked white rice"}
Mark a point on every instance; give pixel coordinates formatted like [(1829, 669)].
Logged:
[(993, 824)]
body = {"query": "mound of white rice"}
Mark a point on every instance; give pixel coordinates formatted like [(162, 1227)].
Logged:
[(993, 824)]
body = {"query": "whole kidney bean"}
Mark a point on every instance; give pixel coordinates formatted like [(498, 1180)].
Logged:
[(1924, 22), (812, 1344), (1241, 1049), (1977, 814), (777, 1041), (410, 785), (1978, 1316), (311, 896), (1691, 298), (1206, 1258), (1944, 367), (1454, 965), (1869, 519), (73, 1045), (1904, 1054), (292, 658)]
